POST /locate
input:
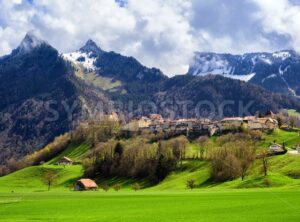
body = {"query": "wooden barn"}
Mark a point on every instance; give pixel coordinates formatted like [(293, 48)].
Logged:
[(85, 184), (64, 161)]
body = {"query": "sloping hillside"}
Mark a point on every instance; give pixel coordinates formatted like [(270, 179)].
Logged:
[(284, 171), (31, 179)]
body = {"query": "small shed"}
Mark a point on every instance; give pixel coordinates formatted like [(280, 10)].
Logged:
[(275, 148), (85, 184), (64, 161)]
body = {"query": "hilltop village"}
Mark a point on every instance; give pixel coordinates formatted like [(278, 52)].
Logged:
[(196, 127)]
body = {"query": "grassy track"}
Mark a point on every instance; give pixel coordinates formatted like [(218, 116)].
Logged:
[(236, 205)]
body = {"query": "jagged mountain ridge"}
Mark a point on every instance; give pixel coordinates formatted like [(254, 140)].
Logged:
[(277, 72), (178, 89), (112, 64)]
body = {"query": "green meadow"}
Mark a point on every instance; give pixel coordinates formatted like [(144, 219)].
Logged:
[(201, 205), (24, 196)]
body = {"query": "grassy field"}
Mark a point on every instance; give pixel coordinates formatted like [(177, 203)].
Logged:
[(167, 201), (231, 205), (24, 196)]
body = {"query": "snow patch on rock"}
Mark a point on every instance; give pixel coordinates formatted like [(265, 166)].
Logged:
[(268, 77), (282, 55), (81, 58)]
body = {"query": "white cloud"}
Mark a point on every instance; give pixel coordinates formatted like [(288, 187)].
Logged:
[(159, 33), (281, 17), (156, 32)]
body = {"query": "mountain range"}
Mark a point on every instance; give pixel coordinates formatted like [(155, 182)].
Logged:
[(45, 94), (277, 72)]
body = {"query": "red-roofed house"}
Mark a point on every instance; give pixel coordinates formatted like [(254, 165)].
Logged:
[(85, 184)]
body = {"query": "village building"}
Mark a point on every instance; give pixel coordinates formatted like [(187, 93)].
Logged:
[(156, 118), (64, 161), (263, 124), (113, 116), (232, 123), (255, 125), (269, 114), (85, 185), (197, 127), (138, 124), (246, 119), (144, 122)]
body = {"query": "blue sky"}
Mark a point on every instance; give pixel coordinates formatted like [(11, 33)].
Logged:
[(160, 33)]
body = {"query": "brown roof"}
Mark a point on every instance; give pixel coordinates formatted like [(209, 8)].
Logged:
[(247, 118), (66, 158), (264, 120), (233, 119), (155, 117), (88, 183)]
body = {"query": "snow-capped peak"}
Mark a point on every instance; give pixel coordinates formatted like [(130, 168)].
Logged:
[(86, 56), (30, 42), (91, 46)]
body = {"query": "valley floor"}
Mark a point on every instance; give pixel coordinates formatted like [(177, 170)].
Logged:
[(198, 205)]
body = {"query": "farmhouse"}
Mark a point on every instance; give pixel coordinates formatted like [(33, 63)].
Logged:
[(85, 184), (277, 149), (262, 124), (274, 148), (64, 161)]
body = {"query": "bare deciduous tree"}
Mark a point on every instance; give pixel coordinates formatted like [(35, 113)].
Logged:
[(202, 141), (49, 179), (264, 158)]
